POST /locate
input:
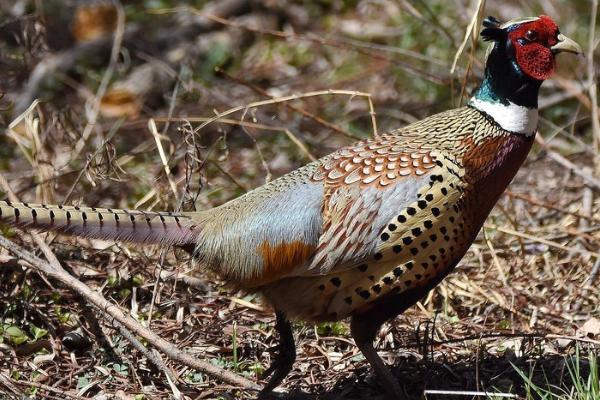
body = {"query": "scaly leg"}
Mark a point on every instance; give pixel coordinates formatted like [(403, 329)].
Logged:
[(363, 331), (366, 323), (285, 358)]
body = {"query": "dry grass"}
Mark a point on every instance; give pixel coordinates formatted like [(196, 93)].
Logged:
[(516, 300)]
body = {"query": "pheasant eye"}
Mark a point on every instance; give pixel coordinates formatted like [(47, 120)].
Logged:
[(531, 35)]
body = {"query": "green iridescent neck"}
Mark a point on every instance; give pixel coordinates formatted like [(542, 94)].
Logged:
[(505, 83)]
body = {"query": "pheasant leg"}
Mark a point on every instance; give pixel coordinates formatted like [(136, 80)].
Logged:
[(364, 331), (285, 358)]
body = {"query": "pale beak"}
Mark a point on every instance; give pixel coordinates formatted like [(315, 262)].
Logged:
[(566, 45)]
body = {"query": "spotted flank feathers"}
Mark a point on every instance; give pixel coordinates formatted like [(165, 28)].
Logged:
[(102, 223), (414, 246)]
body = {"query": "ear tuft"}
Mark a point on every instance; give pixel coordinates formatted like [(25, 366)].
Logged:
[(492, 31), (493, 34), (491, 22)]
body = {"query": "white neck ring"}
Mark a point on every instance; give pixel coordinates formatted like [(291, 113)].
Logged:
[(511, 117)]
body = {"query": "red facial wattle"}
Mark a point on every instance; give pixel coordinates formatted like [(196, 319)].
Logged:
[(536, 60), (534, 57)]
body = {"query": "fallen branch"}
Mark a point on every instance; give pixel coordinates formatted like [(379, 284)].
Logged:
[(111, 312), (117, 314)]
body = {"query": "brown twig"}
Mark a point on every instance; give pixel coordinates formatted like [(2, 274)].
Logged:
[(590, 180), (8, 383), (45, 388), (247, 124), (284, 99), (535, 202), (592, 87), (150, 356), (302, 111), (516, 335), (542, 240), (593, 273)]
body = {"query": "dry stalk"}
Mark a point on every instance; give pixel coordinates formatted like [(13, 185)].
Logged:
[(30, 123), (277, 100), (592, 86), (302, 111), (294, 138), (562, 210), (543, 241), (471, 32), (163, 157), (589, 179), (94, 110)]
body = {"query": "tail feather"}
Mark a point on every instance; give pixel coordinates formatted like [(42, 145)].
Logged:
[(103, 223)]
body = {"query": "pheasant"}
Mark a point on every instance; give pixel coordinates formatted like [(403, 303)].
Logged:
[(368, 230)]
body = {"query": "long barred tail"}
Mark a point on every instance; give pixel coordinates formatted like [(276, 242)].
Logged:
[(103, 223)]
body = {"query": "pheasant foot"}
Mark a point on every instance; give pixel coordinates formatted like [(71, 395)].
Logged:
[(390, 384)]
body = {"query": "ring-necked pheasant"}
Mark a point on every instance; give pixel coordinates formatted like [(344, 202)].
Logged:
[(367, 231)]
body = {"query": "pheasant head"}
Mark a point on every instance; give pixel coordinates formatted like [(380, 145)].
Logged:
[(521, 56)]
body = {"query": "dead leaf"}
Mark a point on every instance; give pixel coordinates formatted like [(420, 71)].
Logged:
[(120, 103), (590, 329), (94, 21)]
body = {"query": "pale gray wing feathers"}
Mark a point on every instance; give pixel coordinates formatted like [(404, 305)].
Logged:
[(342, 226), (236, 235), (358, 215)]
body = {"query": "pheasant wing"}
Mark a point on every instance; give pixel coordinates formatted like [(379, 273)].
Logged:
[(365, 186)]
